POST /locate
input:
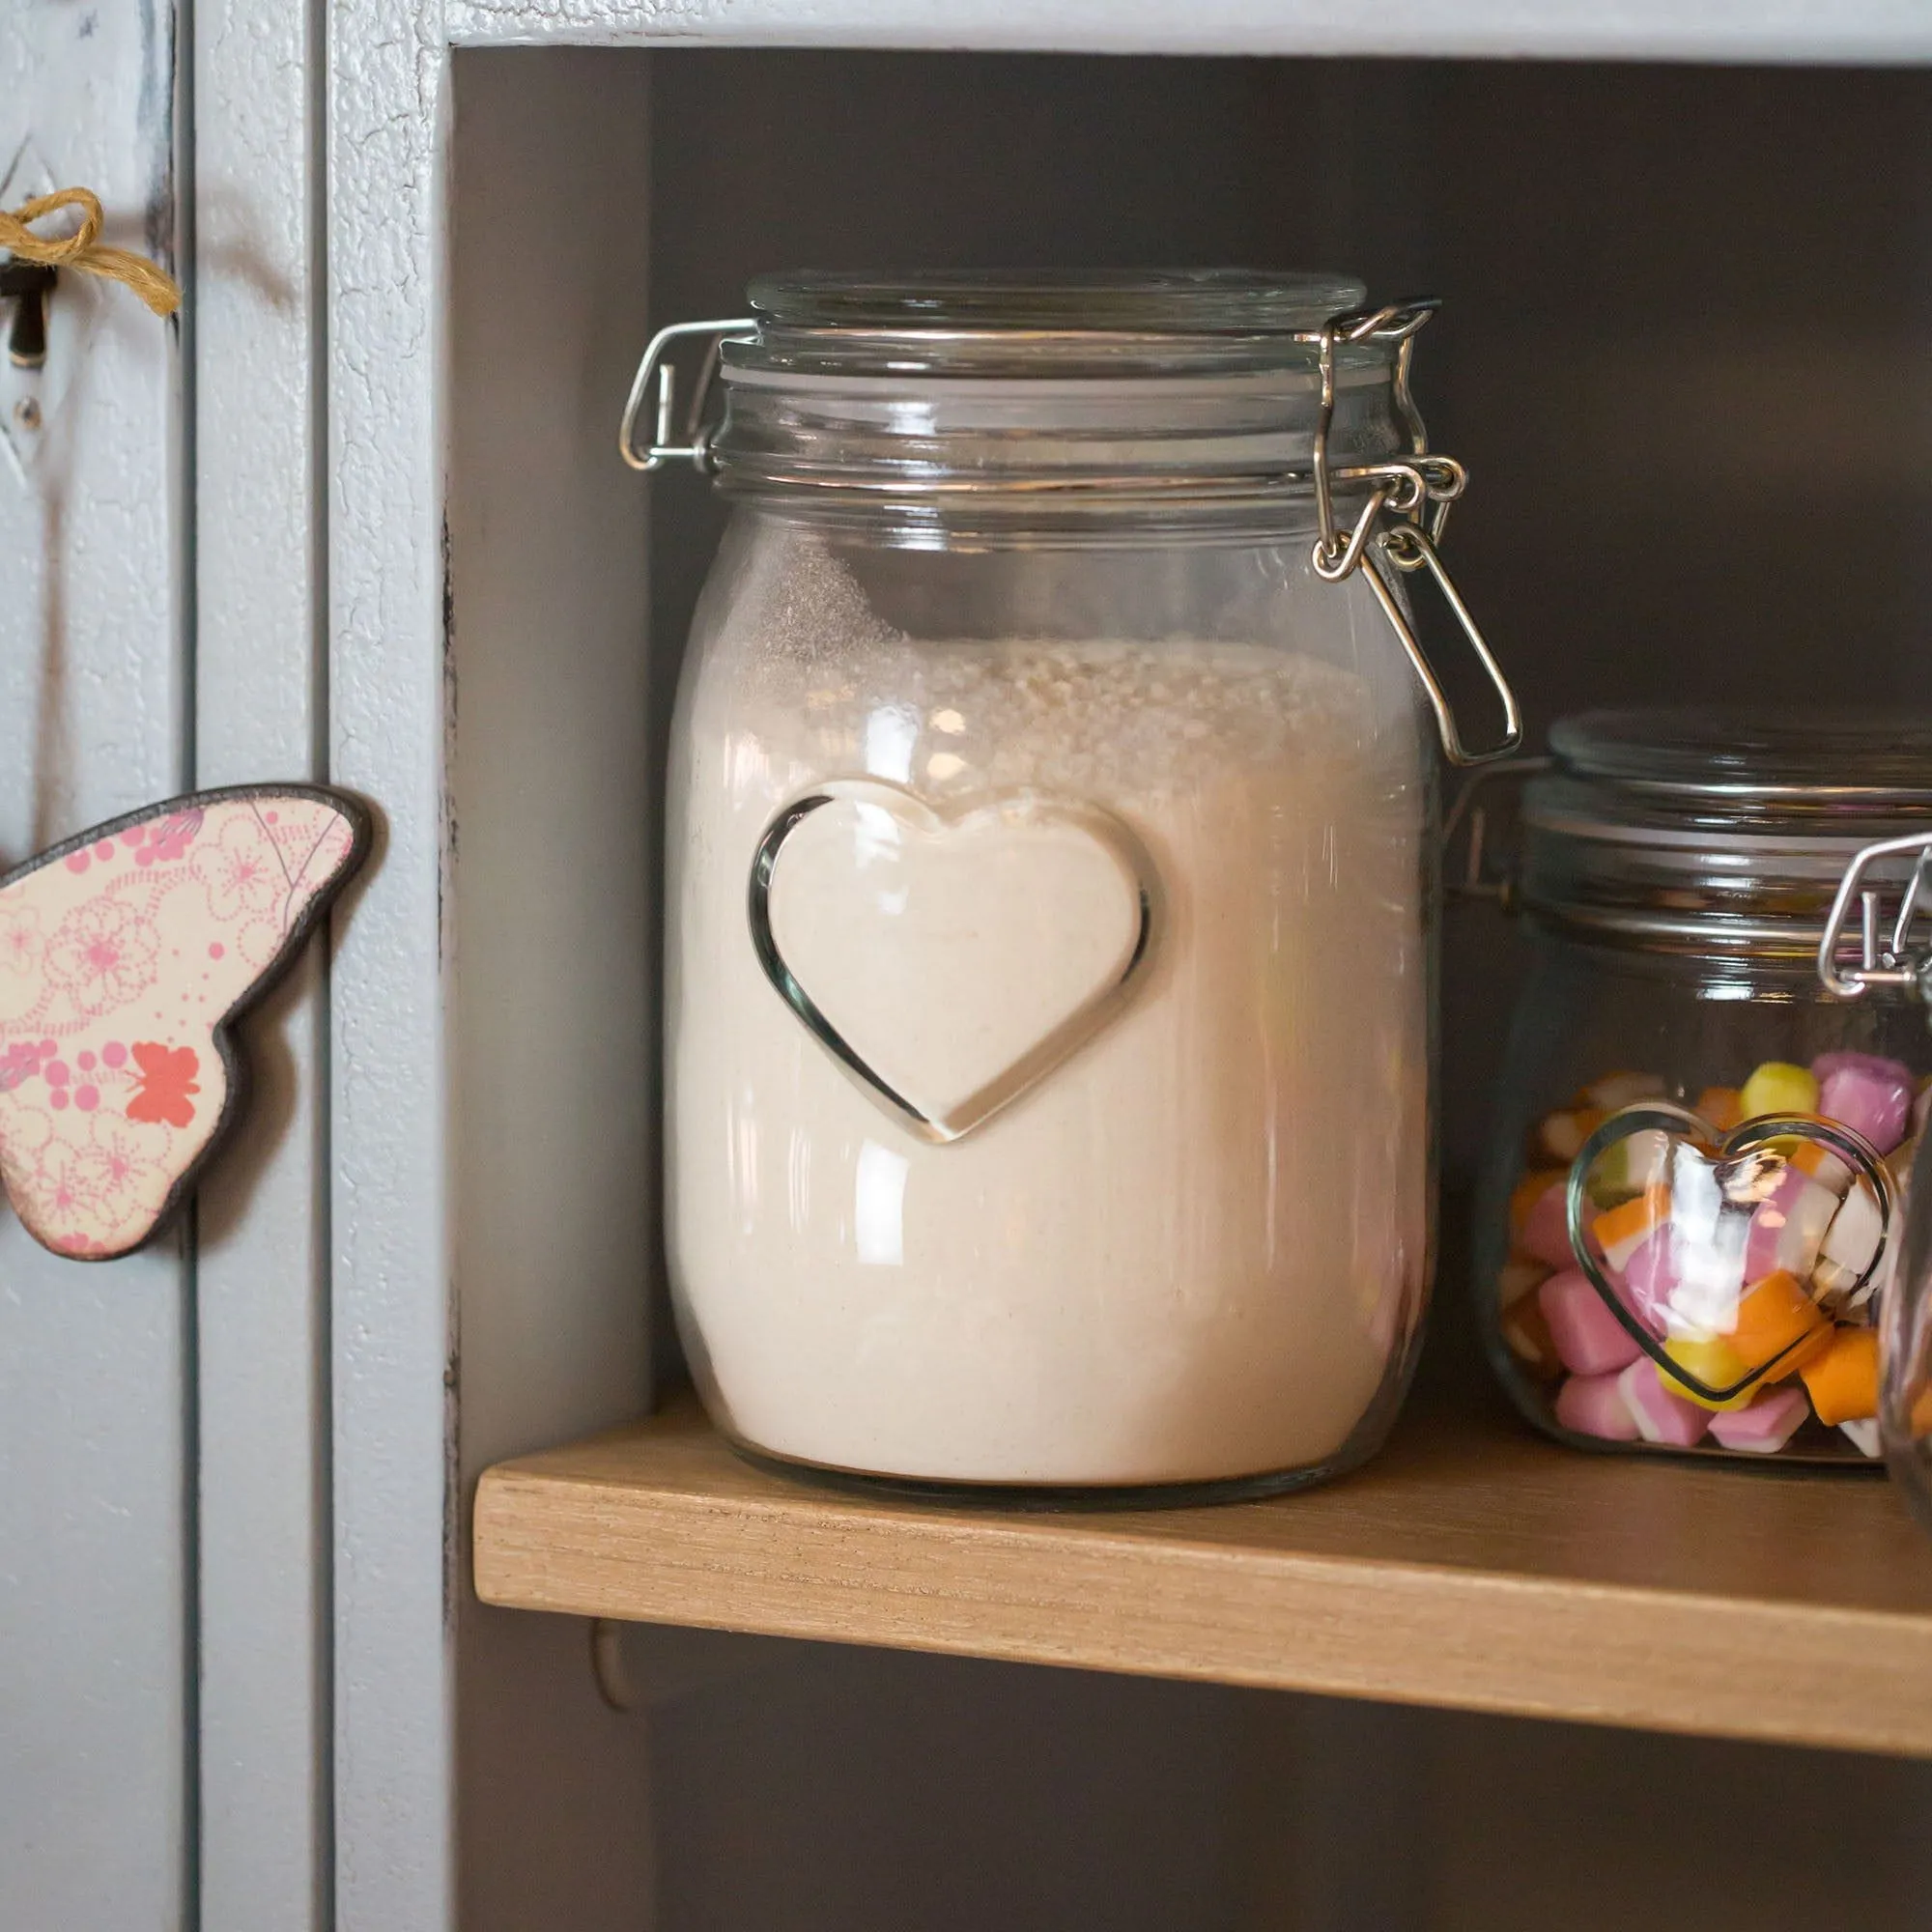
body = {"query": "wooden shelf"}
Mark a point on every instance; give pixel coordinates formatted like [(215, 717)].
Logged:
[(1472, 1565)]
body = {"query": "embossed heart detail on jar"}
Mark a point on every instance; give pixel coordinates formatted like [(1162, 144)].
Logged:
[(1729, 1257), (949, 960)]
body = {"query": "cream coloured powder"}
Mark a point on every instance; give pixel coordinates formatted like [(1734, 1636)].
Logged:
[(1191, 1248)]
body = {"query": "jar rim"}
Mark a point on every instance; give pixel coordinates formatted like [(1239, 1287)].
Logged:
[(1130, 301), (1712, 831), (1873, 761), (1049, 401)]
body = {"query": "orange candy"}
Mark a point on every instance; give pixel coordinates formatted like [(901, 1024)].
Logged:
[(1773, 1314), (1842, 1382), (1722, 1107), (1620, 1229)]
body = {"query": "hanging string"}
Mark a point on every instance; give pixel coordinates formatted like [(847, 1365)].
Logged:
[(83, 248)]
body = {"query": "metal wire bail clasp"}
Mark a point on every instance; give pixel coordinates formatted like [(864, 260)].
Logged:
[(1890, 963), (1415, 494), (696, 448)]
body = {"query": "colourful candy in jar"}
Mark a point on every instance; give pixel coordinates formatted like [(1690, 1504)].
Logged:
[(1842, 1381), (1849, 1247), (1623, 1229), (1525, 1332), (1587, 1335), (1594, 1405), (1715, 1363), (1639, 1161), (1764, 1424), (1518, 1279), (1720, 1107), (1560, 1136), (1527, 1192), (1788, 1229), (1778, 1322), (1545, 1229), (1622, 1090), (1660, 1416), (1779, 1088), (1736, 1263), (1870, 1096)]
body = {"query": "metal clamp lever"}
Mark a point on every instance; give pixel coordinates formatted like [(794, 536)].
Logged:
[(1484, 873), (696, 448), (1402, 490), (1408, 549), (1889, 964)]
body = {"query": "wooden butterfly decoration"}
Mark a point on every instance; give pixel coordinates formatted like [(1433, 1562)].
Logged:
[(126, 956)]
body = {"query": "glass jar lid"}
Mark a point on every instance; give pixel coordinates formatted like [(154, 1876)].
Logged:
[(1715, 833), (969, 399), (1107, 323)]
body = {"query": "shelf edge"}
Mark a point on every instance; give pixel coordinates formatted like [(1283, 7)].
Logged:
[(1480, 1641)]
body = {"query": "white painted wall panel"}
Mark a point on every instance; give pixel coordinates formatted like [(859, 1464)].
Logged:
[(261, 1274), (94, 1435), (394, 1358)]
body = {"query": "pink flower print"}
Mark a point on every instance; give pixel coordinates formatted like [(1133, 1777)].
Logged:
[(61, 1192), (20, 941), (118, 1170), (244, 877), (104, 956), (170, 839), (20, 1062)]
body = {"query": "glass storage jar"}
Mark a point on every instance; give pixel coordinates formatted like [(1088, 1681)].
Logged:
[(1699, 1155), (1051, 847), (1884, 932)]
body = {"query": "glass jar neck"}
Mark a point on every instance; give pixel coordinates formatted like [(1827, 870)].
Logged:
[(1218, 451)]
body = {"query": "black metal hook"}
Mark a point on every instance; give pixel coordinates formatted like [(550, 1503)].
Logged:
[(27, 285)]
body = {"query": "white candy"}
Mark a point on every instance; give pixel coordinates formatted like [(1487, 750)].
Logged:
[(1789, 1227), (1862, 1434), (1849, 1243), (1622, 1090), (1637, 1162)]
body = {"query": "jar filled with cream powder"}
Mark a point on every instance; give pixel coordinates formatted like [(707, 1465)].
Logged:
[(1050, 879)]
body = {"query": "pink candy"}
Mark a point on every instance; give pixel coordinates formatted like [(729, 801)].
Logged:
[(1589, 1338), (1546, 1228), (1764, 1426), (1594, 1405), (1681, 1281), (1651, 1277), (1660, 1416), (1870, 1096)]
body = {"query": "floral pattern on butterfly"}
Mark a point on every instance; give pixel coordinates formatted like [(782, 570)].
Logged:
[(125, 957)]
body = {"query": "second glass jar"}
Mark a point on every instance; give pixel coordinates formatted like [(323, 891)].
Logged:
[(1700, 1156)]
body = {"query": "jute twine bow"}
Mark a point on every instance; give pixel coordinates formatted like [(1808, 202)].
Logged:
[(82, 249)]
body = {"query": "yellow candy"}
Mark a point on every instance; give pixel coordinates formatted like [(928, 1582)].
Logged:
[(1779, 1088), (1716, 1363)]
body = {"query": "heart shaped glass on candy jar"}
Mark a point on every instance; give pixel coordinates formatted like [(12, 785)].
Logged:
[(949, 960), (1728, 1258)]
